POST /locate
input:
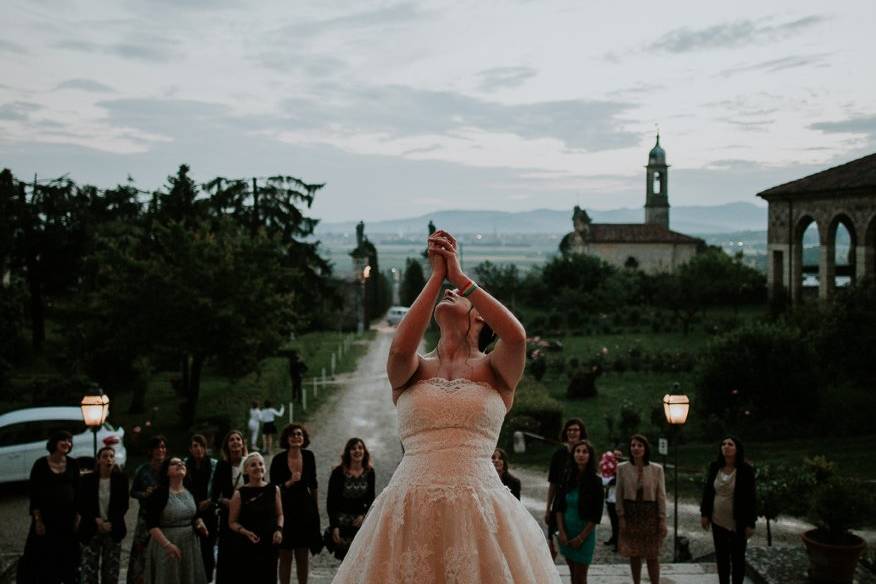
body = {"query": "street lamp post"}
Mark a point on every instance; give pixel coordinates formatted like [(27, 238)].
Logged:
[(366, 273), (95, 409), (676, 407)]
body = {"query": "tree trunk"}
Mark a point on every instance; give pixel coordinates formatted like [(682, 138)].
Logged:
[(769, 534), (37, 306), (193, 390)]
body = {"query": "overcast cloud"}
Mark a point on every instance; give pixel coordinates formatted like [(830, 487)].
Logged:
[(407, 107)]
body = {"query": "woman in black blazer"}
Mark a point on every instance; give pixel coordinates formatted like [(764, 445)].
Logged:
[(294, 472), (729, 507), (102, 504), (578, 510)]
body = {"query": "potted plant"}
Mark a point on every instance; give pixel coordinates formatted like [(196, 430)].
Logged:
[(836, 506)]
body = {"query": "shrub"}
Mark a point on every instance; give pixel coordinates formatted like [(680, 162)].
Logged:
[(582, 384), (533, 401), (759, 372)]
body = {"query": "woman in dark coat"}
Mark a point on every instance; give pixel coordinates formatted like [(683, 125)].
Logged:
[(227, 478), (146, 480), (500, 461), (578, 512), (51, 553), (350, 494), (729, 507), (103, 502), (294, 471)]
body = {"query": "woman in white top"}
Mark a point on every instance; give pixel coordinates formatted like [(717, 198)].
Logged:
[(255, 418), (269, 413)]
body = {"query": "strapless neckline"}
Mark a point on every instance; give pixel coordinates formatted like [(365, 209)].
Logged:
[(448, 383)]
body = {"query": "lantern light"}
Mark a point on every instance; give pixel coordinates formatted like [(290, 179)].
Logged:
[(95, 408), (676, 408)]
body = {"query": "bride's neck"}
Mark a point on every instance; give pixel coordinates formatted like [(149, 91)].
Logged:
[(452, 345)]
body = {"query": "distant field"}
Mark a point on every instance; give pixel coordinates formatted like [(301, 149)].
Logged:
[(394, 255)]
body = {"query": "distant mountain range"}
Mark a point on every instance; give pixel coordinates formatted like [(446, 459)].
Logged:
[(698, 220)]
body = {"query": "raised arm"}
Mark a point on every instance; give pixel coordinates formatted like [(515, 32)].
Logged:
[(509, 357), (403, 359)]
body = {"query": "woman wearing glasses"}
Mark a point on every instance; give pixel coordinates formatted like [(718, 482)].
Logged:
[(294, 472)]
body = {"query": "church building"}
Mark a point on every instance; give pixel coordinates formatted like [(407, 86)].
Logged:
[(650, 246)]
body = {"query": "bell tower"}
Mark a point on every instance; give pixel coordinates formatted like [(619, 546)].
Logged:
[(657, 187)]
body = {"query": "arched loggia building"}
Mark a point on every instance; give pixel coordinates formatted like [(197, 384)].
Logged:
[(844, 195)]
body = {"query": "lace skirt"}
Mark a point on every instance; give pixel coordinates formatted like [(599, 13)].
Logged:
[(460, 526), (640, 538)]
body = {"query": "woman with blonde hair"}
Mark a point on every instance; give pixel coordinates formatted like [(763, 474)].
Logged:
[(255, 516)]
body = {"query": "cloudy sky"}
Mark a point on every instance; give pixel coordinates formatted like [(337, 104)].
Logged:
[(402, 108)]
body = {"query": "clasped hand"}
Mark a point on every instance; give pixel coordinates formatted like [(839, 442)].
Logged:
[(443, 256)]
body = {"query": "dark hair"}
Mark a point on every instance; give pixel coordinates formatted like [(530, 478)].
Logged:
[(576, 476), (740, 451), (346, 459), (254, 404), (55, 437), (267, 404), (641, 438), (573, 422), (155, 442), (163, 479), (97, 459), (225, 450), (287, 433), (504, 456), (485, 337), (199, 439)]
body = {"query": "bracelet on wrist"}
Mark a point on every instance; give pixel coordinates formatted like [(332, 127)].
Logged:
[(470, 289)]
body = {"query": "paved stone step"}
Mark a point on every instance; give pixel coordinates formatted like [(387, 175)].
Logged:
[(603, 574)]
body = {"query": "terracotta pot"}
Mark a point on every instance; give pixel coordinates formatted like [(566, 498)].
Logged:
[(832, 564)]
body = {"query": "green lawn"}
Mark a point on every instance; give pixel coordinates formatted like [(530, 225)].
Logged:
[(225, 402)]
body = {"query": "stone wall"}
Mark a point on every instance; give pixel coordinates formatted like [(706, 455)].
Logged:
[(652, 258)]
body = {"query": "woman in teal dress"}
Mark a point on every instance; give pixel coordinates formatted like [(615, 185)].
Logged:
[(578, 510)]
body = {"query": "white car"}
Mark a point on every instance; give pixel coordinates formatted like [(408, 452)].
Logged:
[(396, 314), (24, 433)]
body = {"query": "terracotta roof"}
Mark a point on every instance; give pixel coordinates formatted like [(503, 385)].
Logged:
[(636, 233), (852, 176)]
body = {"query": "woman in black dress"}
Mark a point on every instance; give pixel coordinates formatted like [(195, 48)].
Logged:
[(227, 478), (103, 502), (500, 461), (294, 471), (729, 507), (350, 494), (255, 516), (51, 553)]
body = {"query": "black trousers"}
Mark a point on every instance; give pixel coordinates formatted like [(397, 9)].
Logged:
[(729, 553), (612, 516)]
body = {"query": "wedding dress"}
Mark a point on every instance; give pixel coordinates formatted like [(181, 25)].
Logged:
[(445, 517)]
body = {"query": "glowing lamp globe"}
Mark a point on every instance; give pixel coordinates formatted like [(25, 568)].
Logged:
[(95, 409), (676, 408)]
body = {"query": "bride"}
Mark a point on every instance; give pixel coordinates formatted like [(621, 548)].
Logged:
[(445, 516)]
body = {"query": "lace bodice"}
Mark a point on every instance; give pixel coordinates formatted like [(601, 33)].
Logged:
[(439, 414)]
